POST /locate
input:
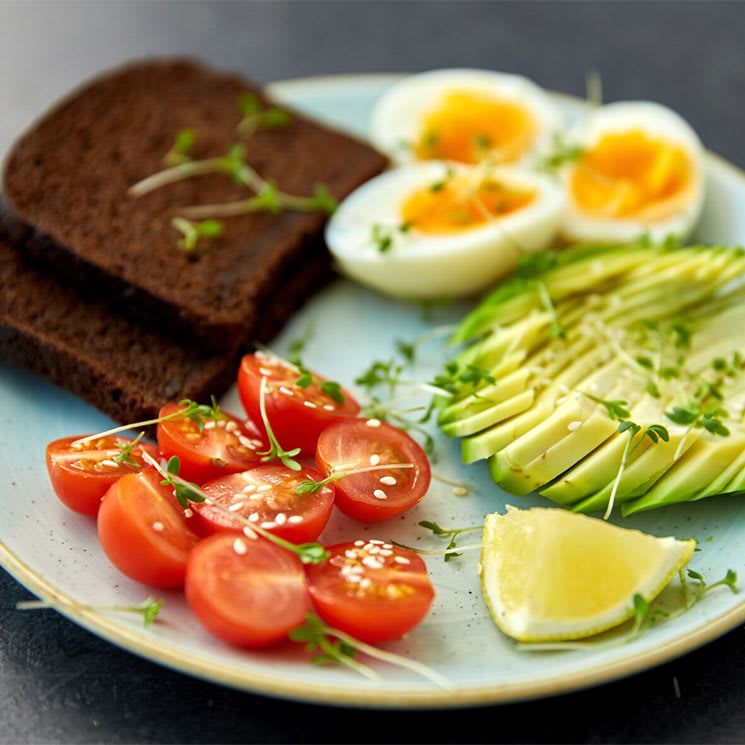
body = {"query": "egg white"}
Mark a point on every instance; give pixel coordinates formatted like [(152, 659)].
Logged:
[(397, 116), (423, 265), (655, 120)]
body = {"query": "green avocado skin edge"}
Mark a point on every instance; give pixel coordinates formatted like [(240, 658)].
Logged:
[(610, 373)]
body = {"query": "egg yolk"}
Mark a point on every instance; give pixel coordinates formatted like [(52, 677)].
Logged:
[(454, 205), (466, 127), (632, 175)]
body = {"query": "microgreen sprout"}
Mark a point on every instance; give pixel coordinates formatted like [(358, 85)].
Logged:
[(256, 116), (452, 534), (562, 152), (193, 231), (335, 646), (616, 408), (180, 150), (557, 330), (185, 492), (275, 449), (312, 487), (126, 448), (192, 410), (383, 236), (148, 609)]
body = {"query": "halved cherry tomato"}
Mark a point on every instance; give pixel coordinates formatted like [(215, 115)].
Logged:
[(247, 592), (228, 445), (371, 589), (296, 414), (266, 496), (143, 530), (375, 495), (81, 475)]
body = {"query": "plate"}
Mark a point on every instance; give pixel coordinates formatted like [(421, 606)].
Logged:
[(56, 554)]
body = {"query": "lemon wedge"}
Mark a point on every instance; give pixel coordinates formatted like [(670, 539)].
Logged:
[(551, 575)]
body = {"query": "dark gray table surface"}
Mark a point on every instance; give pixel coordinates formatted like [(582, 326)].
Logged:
[(59, 683)]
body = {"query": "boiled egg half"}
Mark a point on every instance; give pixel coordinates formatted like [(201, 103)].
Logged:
[(640, 171), (465, 116), (435, 229)]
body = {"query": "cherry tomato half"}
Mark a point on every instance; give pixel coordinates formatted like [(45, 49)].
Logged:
[(266, 496), (296, 414), (375, 495), (143, 530), (247, 592), (81, 475), (371, 589), (225, 446)]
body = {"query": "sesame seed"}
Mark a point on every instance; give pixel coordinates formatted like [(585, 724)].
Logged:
[(158, 527), (249, 488), (295, 519), (376, 542), (329, 407), (561, 399), (387, 545), (351, 553), (264, 487), (249, 533), (373, 422), (209, 500), (230, 426), (286, 391), (280, 518), (245, 441), (373, 550), (372, 563), (264, 371), (221, 424), (366, 582), (109, 462), (401, 560), (268, 524), (574, 426), (239, 546), (188, 513), (254, 517), (388, 480), (309, 404), (374, 460), (359, 543), (380, 494), (235, 507), (385, 552), (354, 578), (210, 424)]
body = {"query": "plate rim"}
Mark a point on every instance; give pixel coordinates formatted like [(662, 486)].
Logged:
[(279, 686)]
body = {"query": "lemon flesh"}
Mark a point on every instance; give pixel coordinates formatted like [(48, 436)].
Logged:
[(550, 575)]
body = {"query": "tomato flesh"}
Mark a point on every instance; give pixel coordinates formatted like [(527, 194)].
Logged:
[(247, 592), (375, 495), (228, 445), (371, 590), (143, 530), (296, 414), (82, 473), (266, 497)]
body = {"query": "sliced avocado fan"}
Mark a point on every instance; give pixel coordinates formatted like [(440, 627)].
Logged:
[(611, 375)]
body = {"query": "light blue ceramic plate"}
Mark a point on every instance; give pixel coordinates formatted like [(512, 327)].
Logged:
[(55, 553)]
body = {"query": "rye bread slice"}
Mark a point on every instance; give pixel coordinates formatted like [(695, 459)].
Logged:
[(122, 367), (65, 198)]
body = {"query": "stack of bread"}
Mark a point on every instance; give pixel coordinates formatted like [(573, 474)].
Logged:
[(97, 295)]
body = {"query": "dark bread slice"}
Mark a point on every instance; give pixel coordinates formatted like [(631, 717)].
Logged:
[(126, 370), (65, 191)]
